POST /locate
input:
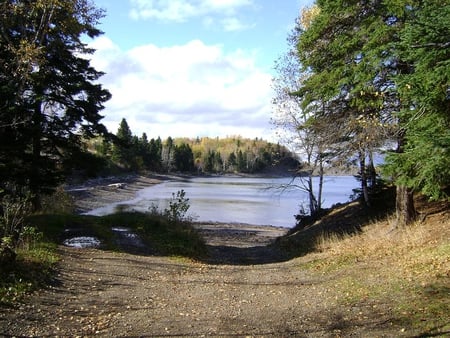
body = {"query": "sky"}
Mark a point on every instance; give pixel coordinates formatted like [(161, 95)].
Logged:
[(192, 68)]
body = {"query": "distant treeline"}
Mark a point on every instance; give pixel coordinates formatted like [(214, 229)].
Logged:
[(128, 152)]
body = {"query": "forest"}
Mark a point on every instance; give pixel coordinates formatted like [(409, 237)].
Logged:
[(124, 152)]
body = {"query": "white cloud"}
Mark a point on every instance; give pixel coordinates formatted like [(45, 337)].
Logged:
[(232, 24), (186, 90), (212, 11)]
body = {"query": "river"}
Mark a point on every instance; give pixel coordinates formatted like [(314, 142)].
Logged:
[(258, 201)]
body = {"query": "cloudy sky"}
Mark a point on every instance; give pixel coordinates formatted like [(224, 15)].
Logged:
[(188, 68)]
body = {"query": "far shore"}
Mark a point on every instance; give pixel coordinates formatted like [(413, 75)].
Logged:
[(96, 193)]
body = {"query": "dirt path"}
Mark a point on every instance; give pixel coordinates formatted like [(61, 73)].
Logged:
[(245, 289), (108, 294)]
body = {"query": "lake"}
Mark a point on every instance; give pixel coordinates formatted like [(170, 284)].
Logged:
[(258, 201)]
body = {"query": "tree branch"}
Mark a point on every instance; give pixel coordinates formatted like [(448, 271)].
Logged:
[(433, 44)]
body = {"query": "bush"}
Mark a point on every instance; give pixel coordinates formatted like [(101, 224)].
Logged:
[(178, 207), (12, 220), (58, 202)]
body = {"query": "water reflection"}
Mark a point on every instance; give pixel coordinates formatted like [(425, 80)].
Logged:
[(259, 201)]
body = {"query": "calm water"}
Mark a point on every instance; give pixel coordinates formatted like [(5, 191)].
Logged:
[(258, 201)]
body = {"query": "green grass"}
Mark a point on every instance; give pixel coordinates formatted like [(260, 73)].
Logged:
[(166, 237), (33, 268), (35, 264), (163, 236)]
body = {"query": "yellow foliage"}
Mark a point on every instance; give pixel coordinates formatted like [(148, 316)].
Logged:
[(308, 14)]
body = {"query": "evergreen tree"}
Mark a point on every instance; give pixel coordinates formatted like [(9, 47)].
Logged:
[(184, 158), (208, 162), (379, 70), (424, 162), (145, 151), (155, 152), (50, 96), (241, 162), (167, 155), (123, 148), (232, 161), (347, 55)]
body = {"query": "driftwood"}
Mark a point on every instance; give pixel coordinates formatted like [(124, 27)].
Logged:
[(117, 185)]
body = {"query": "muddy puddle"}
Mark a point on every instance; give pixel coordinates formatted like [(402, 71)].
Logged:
[(82, 242), (124, 238)]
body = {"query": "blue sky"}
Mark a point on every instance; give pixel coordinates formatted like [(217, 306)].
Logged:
[(188, 68)]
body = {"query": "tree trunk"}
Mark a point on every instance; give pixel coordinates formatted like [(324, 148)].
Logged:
[(34, 178), (404, 204), (363, 173), (319, 193), (371, 172), (311, 197)]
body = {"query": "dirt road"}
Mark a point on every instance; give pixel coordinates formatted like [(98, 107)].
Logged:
[(109, 294), (244, 289)]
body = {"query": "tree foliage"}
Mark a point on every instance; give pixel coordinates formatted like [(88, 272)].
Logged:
[(424, 163), (50, 98), (378, 71), (202, 155)]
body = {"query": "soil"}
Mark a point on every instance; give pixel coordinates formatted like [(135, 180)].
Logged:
[(246, 289)]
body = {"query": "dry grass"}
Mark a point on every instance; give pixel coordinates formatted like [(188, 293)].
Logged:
[(406, 269), (420, 249)]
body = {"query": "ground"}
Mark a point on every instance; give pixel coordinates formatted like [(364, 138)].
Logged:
[(117, 294), (245, 289)]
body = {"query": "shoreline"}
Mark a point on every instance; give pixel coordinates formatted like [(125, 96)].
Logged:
[(98, 193)]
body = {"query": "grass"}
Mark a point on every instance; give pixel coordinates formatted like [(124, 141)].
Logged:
[(167, 237), (407, 270), (162, 235), (36, 261), (33, 269)]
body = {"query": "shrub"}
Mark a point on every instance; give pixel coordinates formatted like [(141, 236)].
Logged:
[(12, 220), (178, 207), (58, 202)]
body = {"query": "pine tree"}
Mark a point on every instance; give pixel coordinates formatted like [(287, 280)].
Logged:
[(346, 53), (123, 151), (50, 96), (423, 164)]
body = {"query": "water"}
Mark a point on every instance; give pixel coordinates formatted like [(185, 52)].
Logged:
[(82, 242), (259, 201)]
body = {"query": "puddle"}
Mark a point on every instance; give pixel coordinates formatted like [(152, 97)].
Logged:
[(82, 242), (127, 238)]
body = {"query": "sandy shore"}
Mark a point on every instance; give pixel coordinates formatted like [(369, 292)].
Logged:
[(97, 193)]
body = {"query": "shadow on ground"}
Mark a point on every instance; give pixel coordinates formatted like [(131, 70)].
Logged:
[(245, 256)]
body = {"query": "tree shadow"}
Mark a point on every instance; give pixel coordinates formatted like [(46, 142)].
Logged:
[(255, 255), (338, 221)]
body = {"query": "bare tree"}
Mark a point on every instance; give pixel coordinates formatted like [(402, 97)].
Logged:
[(297, 127)]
